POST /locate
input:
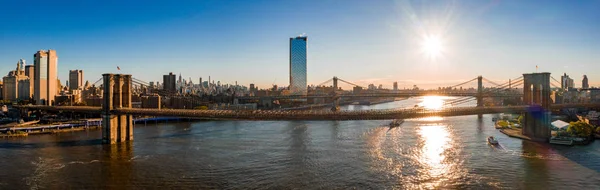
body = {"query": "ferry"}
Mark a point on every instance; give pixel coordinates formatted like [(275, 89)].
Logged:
[(492, 140), (396, 123)]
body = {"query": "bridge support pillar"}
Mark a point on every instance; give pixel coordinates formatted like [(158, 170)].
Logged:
[(536, 93), (336, 104), (116, 94), (480, 91)]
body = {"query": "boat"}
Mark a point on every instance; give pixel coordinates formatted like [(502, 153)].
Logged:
[(492, 140), (561, 140), (396, 123)]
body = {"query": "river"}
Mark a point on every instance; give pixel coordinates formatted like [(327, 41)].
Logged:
[(423, 153)]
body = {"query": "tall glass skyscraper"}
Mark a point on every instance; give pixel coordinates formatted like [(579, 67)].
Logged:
[(298, 65)]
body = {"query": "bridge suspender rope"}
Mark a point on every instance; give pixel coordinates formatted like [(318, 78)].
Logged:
[(464, 83), (350, 83), (491, 82), (327, 81), (498, 88), (555, 85), (466, 100), (503, 87), (98, 81)]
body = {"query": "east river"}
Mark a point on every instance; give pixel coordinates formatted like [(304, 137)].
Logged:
[(423, 153)]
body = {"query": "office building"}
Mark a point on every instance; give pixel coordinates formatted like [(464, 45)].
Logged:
[(395, 86), (16, 84), (75, 79), (298, 65), (566, 82), (45, 81), (584, 82), (169, 83), (30, 72)]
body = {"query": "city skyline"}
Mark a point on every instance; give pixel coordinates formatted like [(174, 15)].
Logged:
[(380, 43)]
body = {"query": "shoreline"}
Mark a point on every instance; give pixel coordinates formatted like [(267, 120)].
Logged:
[(517, 133), (91, 124)]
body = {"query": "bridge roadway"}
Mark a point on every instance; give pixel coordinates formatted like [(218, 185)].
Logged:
[(309, 114), (379, 95)]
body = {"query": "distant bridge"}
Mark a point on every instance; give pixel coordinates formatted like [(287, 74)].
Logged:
[(384, 95)]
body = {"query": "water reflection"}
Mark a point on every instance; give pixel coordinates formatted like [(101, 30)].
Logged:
[(118, 169), (431, 119), (435, 141)]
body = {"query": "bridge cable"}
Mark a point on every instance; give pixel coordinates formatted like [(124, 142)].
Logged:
[(488, 91), (504, 85), (464, 83), (469, 99)]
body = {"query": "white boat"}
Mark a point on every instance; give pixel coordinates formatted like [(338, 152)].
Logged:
[(492, 140), (396, 123)]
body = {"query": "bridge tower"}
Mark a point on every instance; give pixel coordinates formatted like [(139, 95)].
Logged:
[(536, 93), (479, 91), (335, 84), (116, 94), (335, 98)]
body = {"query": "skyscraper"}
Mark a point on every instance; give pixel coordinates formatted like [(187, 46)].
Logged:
[(584, 82), (566, 82), (45, 87), (30, 72), (75, 79), (298, 65), (169, 83), (395, 86)]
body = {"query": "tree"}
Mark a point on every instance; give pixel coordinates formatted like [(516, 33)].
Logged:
[(503, 124), (201, 107), (520, 119), (597, 130), (580, 129)]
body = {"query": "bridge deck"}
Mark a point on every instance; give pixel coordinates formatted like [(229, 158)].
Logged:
[(308, 114)]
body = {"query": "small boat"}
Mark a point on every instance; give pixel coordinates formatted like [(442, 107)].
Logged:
[(396, 123), (561, 140), (492, 140)]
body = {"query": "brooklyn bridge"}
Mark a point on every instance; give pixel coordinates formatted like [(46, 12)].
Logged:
[(117, 113)]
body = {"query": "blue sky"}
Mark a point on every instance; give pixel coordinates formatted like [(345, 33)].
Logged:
[(361, 41)]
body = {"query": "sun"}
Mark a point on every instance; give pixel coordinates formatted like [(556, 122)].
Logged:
[(432, 102), (432, 46)]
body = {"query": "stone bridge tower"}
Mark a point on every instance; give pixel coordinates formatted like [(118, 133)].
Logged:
[(536, 93), (117, 94)]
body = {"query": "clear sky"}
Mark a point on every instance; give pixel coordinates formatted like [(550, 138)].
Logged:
[(360, 41)]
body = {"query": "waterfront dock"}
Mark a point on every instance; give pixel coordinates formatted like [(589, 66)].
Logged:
[(27, 128)]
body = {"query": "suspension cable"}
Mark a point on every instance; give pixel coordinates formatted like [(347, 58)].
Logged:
[(469, 99), (487, 91)]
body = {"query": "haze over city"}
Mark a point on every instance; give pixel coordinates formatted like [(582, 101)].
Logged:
[(428, 43)]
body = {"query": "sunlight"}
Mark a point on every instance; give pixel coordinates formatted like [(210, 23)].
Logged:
[(435, 139), (432, 102), (432, 46), (431, 119)]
